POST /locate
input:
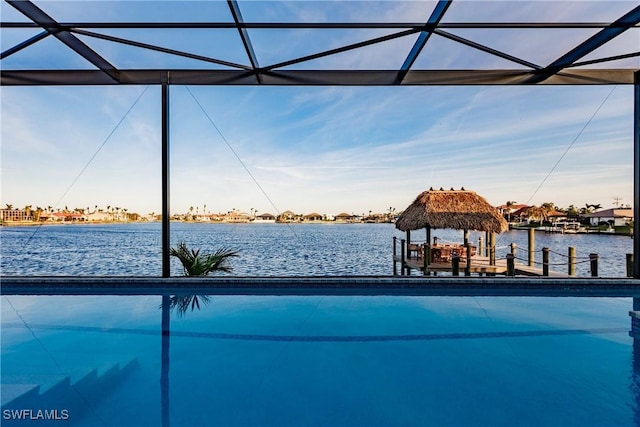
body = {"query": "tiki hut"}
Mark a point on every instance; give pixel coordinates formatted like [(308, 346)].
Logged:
[(456, 209)]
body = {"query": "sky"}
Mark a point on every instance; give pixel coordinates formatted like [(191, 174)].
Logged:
[(320, 149)]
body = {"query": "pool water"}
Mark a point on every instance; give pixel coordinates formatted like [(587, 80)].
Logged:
[(322, 361)]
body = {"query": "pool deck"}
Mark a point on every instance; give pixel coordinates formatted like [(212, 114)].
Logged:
[(325, 285)]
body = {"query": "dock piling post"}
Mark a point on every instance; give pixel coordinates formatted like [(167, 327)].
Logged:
[(593, 258), (532, 245), (395, 264), (545, 261), (402, 260), (487, 248), (492, 249), (572, 261), (511, 265), (629, 265), (514, 248), (455, 265)]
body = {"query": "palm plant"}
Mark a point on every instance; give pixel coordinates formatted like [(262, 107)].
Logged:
[(196, 264)]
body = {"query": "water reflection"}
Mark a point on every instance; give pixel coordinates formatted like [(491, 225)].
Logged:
[(165, 358), (635, 362), (182, 303)]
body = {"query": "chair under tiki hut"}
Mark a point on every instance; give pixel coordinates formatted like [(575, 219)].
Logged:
[(453, 209)]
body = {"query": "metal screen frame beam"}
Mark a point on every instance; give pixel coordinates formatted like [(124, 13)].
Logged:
[(418, 26), (315, 77), (38, 16), (603, 36), (636, 177), (244, 35), (166, 183), (24, 44), (159, 49), (436, 16)]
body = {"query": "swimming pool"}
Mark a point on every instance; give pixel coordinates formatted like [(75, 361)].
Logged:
[(322, 361)]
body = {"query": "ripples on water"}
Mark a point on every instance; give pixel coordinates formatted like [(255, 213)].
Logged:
[(265, 249)]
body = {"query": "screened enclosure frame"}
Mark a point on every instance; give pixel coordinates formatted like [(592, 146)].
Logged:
[(570, 68)]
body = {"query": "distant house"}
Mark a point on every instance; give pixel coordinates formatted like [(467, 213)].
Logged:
[(98, 217), (63, 217), (313, 217), (617, 217), (236, 216), (555, 216), (519, 215), (528, 214), (288, 216), (345, 217), (509, 210), (13, 215), (265, 217)]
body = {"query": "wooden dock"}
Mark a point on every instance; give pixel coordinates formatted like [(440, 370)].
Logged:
[(480, 265)]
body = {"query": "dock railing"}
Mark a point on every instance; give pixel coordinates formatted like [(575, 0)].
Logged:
[(417, 256), (546, 266)]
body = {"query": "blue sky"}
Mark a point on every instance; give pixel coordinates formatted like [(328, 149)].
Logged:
[(324, 149)]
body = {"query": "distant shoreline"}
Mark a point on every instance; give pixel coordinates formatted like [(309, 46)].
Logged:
[(59, 223), (90, 223)]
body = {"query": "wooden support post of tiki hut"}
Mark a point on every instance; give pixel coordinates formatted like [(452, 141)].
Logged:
[(428, 240), (426, 252), (426, 258), (467, 268)]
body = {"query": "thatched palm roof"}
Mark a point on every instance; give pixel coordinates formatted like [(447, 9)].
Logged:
[(457, 209)]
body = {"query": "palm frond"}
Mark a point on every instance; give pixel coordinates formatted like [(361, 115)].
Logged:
[(182, 303), (195, 264)]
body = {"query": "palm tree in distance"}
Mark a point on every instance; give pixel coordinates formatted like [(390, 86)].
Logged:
[(195, 264)]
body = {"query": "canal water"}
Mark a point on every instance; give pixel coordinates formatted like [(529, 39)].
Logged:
[(267, 249)]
